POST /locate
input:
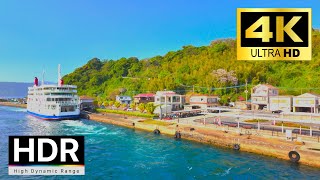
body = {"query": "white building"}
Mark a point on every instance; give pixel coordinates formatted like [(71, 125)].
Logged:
[(203, 101), (307, 102), (283, 103), (260, 96), (124, 99), (170, 98)]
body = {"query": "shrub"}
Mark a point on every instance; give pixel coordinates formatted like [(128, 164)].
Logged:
[(142, 107), (129, 113), (117, 104)]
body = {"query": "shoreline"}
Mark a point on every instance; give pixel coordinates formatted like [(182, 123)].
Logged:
[(274, 146), (253, 142), (10, 104)]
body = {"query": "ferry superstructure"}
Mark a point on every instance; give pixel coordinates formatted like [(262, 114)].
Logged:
[(53, 102)]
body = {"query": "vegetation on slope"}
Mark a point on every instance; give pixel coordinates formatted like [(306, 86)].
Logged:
[(209, 69)]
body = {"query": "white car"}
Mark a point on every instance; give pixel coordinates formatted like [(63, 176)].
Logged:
[(129, 109)]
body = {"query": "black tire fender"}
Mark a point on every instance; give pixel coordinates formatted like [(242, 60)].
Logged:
[(236, 147), (156, 131), (294, 156)]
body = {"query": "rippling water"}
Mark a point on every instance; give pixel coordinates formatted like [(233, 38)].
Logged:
[(121, 153)]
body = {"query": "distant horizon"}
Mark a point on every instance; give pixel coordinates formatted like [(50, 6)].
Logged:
[(39, 35)]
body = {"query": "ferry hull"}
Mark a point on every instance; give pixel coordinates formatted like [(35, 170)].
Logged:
[(45, 117)]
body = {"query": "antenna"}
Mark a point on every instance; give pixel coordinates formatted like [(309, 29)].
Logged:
[(59, 72), (59, 75), (42, 82)]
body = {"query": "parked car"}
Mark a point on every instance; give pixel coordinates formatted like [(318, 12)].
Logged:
[(129, 109), (167, 118), (277, 111)]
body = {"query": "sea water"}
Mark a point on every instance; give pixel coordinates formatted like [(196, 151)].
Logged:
[(113, 152)]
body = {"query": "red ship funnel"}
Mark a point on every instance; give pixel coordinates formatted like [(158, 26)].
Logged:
[(36, 81), (61, 82)]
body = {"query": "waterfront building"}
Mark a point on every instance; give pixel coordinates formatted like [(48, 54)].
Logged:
[(124, 99), (143, 98), (283, 103), (307, 102), (242, 105), (202, 102), (260, 96), (86, 103), (170, 98)]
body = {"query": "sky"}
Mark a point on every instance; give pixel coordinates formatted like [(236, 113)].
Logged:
[(37, 35)]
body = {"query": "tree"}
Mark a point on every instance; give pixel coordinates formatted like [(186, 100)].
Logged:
[(142, 107), (150, 107), (117, 104), (133, 106), (122, 90), (99, 102), (111, 103), (106, 103), (210, 69), (124, 105)]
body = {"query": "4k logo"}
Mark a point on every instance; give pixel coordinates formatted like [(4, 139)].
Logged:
[(274, 34)]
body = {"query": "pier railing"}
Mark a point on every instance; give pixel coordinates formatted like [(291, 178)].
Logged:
[(244, 128)]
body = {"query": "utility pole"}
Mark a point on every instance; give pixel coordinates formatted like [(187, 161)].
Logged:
[(246, 91)]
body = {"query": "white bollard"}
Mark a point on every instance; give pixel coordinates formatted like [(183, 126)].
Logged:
[(300, 130)]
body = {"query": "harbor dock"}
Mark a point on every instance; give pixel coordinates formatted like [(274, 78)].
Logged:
[(261, 142), (253, 141)]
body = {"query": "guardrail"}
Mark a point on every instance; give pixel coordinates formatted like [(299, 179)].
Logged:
[(257, 116)]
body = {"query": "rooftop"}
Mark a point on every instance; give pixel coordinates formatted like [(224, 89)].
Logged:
[(267, 85), (199, 95), (145, 95), (166, 93), (86, 98)]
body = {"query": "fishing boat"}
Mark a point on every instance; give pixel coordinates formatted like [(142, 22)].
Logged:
[(53, 101)]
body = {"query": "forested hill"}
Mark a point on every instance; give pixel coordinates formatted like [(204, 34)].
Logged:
[(210, 69)]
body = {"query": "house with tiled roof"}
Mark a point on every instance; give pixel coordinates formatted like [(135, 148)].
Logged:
[(260, 96), (170, 98), (124, 99), (143, 98)]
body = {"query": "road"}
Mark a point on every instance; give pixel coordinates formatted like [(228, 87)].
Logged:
[(232, 122)]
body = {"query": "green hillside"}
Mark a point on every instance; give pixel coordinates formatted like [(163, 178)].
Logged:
[(210, 69)]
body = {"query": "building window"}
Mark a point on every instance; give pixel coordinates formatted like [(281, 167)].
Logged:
[(175, 99)]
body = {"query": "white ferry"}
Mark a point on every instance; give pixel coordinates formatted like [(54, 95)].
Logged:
[(53, 102)]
